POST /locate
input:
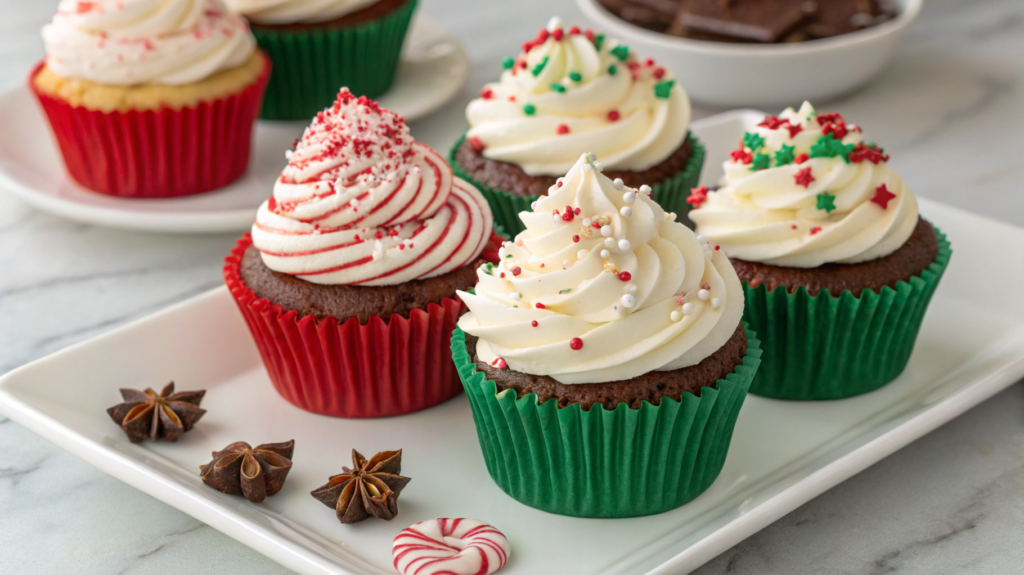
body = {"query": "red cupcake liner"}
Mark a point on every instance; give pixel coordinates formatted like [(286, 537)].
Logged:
[(156, 153), (380, 369)]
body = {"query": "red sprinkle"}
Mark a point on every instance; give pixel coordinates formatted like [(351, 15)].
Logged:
[(512, 98), (576, 343), (562, 129), (272, 204), (500, 363), (557, 34), (613, 115), (533, 323), (379, 234), (741, 156), (815, 230), (883, 196), (718, 248), (625, 276), (476, 145), (804, 177), (502, 275), (771, 122), (794, 129), (575, 239), (698, 196), (801, 158), (659, 73), (574, 30), (793, 226), (649, 62), (559, 184), (486, 93), (576, 211), (516, 270), (539, 305)]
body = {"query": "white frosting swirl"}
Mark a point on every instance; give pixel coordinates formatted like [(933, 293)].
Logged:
[(130, 42), (295, 11), (587, 304), (831, 202), (362, 203), (632, 114)]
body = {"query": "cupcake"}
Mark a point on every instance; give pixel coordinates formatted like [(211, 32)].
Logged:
[(150, 99), (319, 45), (570, 92), (837, 266), (349, 277), (607, 340)]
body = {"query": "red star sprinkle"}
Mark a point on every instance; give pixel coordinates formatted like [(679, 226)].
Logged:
[(815, 230), (771, 122), (741, 156), (476, 145), (804, 177), (698, 196), (801, 158), (794, 129), (883, 196)]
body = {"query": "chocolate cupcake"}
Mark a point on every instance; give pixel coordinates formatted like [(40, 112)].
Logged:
[(837, 266), (569, 92), (348, 281), (604, 305), (318, 45)]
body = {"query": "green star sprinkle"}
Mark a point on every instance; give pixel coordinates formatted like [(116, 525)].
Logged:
[(621, 52), (489, 267), (540, 67), (612, 70), (753, 141), (558, 88), (575, 76), (784, 156), (826, 202), (663, 89), (829, 147), (599, 41), (529, 109), (566, 290), (760, 162), (507, 63)]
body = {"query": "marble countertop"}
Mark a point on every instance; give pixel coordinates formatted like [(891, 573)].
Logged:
[(950, 110)]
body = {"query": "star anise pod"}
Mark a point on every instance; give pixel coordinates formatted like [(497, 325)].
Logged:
[(255, 472), (371, 488), (165, 416)]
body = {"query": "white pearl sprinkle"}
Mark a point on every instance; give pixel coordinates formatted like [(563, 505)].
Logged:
[(592, 157), (288, 154), (645, 189), (557, 218), (631, 288), (587, 167), (687, 308), (629, 196), (624, 245), (703, 294), (515, 296), (606, 254), (582, 254), (626, 211), (606, 231), (716, 303), (609, 242), (702, 240), (599, 166), (618, 183), (675, 316), (566, 264), (628, 301), (586, 222)]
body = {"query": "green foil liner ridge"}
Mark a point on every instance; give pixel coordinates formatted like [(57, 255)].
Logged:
[(311, 67), (670, 193), (621, 462), (827, 347)]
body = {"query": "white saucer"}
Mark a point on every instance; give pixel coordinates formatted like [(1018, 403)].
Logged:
[(434, 67)]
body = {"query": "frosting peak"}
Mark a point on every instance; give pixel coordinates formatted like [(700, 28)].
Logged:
[(569, 91), (804, 189), (362, 203), (602, 285)]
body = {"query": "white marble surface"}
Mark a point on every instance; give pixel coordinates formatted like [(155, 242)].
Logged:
[(950, 110)]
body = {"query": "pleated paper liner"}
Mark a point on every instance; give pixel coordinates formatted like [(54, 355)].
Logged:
[(605, 463), (389, 366), (828, 347), (311, 66), (156, 153), (670, 193)]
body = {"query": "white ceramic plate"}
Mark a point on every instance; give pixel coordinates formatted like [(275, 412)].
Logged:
[(433, 68), (782, 455)]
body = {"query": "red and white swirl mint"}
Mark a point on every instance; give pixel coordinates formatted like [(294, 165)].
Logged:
[(450, 547)]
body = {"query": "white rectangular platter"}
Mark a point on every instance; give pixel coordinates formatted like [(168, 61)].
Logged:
[(782, 455)]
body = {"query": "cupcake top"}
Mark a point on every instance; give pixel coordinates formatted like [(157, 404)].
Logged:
[(295, 11), (570, 91), (602, 286), (802, 190), (128, 42), (362, 203)]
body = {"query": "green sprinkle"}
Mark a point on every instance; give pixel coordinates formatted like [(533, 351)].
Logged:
[(753, 141), (826, 202), (558, 88), (566, 290), (621, 52), (575, 76), (508, 255), (529, 109), (829, 147), (663, 89), (507, 63), (760, 162), (540, 67), (784, 156), (612, 70), (598, 41), (515, 306)]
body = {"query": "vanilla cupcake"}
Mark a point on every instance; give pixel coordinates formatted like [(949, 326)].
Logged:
[(837, 265), (607, 332), (151, 98), (569, 92)]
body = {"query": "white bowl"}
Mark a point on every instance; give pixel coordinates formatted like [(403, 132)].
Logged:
[(765, 75)]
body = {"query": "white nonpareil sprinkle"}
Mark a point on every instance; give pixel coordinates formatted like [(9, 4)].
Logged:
[(716, 303), (599, 166), (606, 231), (703, 294), (702, 240), (586, 222), (557, 218), (631, 288), (629, 196), (606, 254), (675, 316), (645, 189), (687, 308), (515, 296), (609, 242), (566, 264), (592, 157), (624, 245), (626, 211), (618, 183), (582, 254), (628, 301)]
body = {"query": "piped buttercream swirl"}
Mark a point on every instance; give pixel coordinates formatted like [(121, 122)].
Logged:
[(295, 11), (362, 203), (570, 91), (804, 190), (602, 286)]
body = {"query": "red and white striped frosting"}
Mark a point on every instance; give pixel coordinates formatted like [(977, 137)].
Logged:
[(362, 203), (450, 547)]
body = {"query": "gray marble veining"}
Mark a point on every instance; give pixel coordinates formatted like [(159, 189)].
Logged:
[(950, 109)]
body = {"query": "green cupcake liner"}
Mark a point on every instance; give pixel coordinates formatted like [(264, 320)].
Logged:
[(670, 193), (310, 67), (828, 347), (621, 462)]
